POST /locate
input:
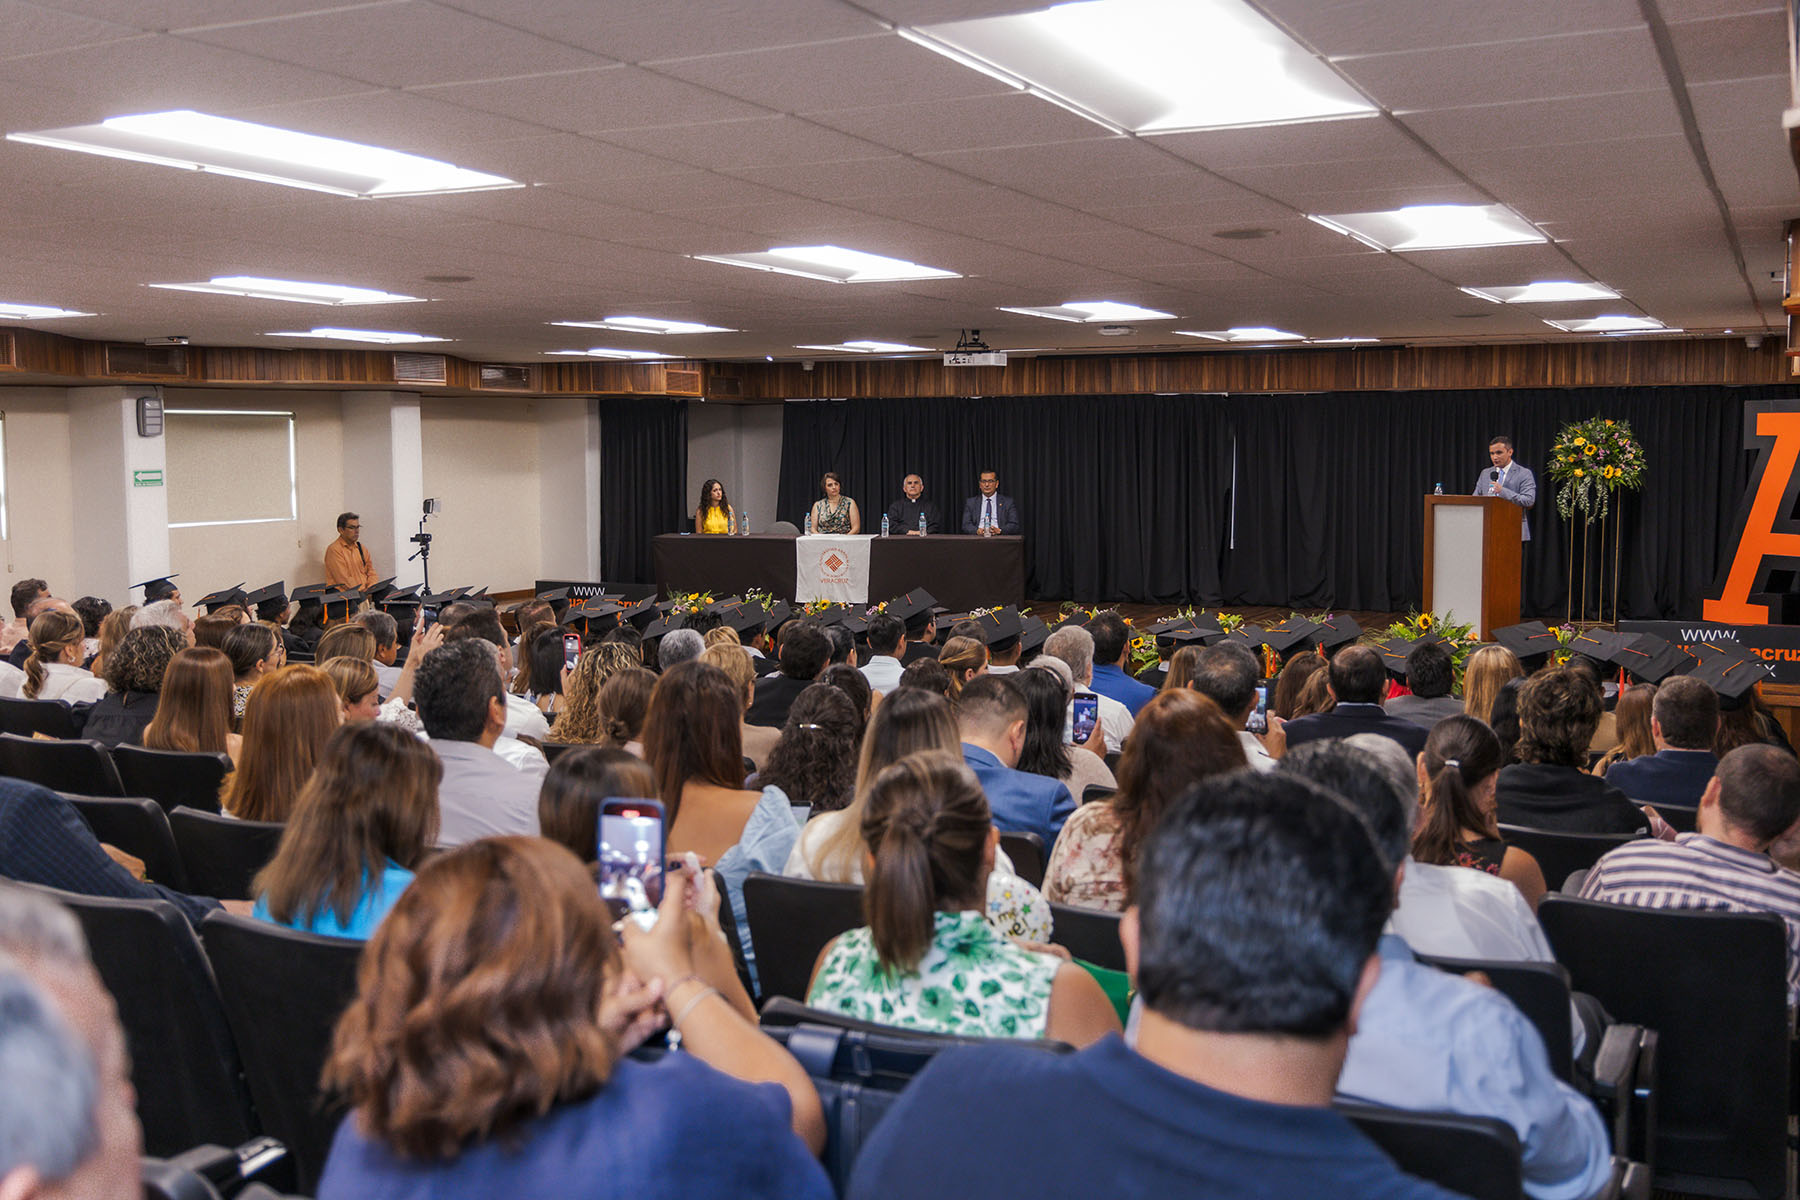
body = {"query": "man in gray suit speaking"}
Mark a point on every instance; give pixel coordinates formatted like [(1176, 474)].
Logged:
[(1508, 479)]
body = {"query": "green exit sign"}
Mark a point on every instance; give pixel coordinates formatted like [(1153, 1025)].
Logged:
[(146, 479)]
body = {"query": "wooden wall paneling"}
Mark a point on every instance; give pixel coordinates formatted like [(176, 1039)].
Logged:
[(9, 351), (239, 365)]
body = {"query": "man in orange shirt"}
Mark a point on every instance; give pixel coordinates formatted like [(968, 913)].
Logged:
[(346, 562)]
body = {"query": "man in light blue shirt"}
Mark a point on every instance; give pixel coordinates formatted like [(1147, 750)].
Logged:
[(1112, 639)]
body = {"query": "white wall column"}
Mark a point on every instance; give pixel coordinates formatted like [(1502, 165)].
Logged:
[(384, 478), (122, 516), (569, 487)]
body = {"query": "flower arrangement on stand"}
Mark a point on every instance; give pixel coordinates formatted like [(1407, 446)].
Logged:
[(689, 604), (1589, 461)]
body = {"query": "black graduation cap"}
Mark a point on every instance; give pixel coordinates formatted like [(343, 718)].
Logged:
[(1001, 628), (640, 613), (311, 593), (1528, 639), (1247, 634), (436, 599), (665, 624), (591, 616), (1033, 633), (219, 599), (744, 617), (558, 599), (1079, 619), (478, 598), (1732, 675), (1335, 631), (379, 590), (780, 615), (160, 588), (1289, 634), (340, 603), (1601, 645), (831, 614), (406, 597), (1650, 659), (914, 608), (857, 625), (1395, 651)]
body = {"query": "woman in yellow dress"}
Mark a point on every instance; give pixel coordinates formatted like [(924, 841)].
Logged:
[(714, 513)]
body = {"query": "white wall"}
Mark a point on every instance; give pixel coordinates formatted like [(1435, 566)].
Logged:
[(41, 538), (740, 446), (481, 460)]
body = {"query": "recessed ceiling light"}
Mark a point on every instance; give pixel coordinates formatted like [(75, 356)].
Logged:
[(868, 347), (833, 264), (202, 142), (1545, 291), (1094, 310), (1244, 333), (605, 352), (294, 290), (381, 337), (1435, 227), (1612, 323), (645, 325), (1153, 66), (35, 312), (1347, 341)]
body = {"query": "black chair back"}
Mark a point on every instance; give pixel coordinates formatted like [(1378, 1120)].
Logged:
[(284, 992), (1561, 854), (220, 854), (173, 778), (1682, 820), (1088, 934), (80, 765), (1027, 853), (1094, 792), (1714, 987), (790, 921), (1476, 1157), (138, 827), (554, 750), (184, 1061), (52, 718), (1538, 990)]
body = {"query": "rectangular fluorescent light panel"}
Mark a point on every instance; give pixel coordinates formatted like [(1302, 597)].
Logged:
[(1543, 292), (833, 264), (644, 325), (1615, 323), (380, 337), (1435, 227), (605, 352), (200, 141), (297, 291), (868, 347), (1153, 66), (35, 312), (1244, 333), (1082, 311)]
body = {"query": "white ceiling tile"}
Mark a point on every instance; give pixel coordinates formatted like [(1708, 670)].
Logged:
[(1589, 64), (1735, 47), (564, 157), (880, 69), (1384, 26), (1740, 103), (1106, 165), (1548, 174), (734, 144), (1012, 119), (639, 31), (607, 98), (1754, 167), (1459, 133), (396, 120), (35, 29), (162, 15), (1705, 10), (891, 174), (1301, 143)]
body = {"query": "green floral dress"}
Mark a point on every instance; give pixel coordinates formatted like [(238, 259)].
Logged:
[(972, 982)]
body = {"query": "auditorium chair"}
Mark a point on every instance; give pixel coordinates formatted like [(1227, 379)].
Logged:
[(221, 854), (213, 1172), (1097, 791), (184, 1061), (1089, 934), (78, 765), (783, 529), (1560, 854), (1027, 853), (554, 750), (173, 778), (1679, 817), (284, 992), (1714, 987), (1478, 1157), (52, 718), (790, 921), (138, 827)]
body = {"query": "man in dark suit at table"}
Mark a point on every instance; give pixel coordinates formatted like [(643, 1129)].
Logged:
[(990, 512), (904, 515), (1359, 683)]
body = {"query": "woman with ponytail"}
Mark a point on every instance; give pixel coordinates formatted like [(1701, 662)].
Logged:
[(53, 670), (928, 958), (1457, 772)]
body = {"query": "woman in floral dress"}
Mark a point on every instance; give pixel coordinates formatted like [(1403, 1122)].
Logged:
[(836, 513), (929, 959)]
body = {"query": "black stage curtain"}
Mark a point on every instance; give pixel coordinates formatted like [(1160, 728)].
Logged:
[(1312, 501), (643, 482), (1120, 496)]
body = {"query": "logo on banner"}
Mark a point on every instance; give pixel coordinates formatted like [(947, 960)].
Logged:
[(1764, 534), (834, 567)]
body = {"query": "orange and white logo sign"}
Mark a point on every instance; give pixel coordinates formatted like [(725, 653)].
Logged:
[(1764, 534)]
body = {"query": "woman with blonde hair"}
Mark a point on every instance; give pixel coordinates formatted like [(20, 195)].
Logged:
[(358, 688), (193, 709), (292, 713), (964, 658), (580, 718), (113, 628), (1632, 720), (1485, 672), (1182, 665), (53, 670)]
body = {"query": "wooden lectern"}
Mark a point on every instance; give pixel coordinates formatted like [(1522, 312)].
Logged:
[(1472, 553)]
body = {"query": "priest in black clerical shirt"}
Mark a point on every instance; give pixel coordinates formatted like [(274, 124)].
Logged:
[(903, 515)]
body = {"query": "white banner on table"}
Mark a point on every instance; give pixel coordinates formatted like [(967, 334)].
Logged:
[(832, 567)]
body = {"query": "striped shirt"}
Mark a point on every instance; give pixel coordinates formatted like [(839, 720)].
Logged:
[(1696, 871)]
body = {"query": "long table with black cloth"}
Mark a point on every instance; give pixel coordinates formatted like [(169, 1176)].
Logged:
[(961, 572)]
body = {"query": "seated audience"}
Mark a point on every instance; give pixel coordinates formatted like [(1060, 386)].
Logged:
[(1430, 673), (462, 705), (1182, 665), (1292, 680), (814, 762), (1632, 721), (359, 691), (964, 658), (1112, 643), (579, 780), (1252, 942), (291, 715), (349, 640), (990, 716), (1226, 674), (623, 705), (165, 613), (254, 651), (210, 629), (92, 610), (1684, 719), (678, 646), (1075, 646), (523, 720), (831, 846), (843, 645), (580, 720), (520, 648), (364, 822), (1549, 787), (486, 1051), (113, 628), (1485, 672), (1747, 721), (134, 673), (193, 708), (1180, 738), (24, 593), (930, 675), (541, 669), (805, 651), (1432, 1041), (1358, 683), (1045, 752), (929, 959), (887, 641), (1752, 799), (1457, 773), (723, 635), (53, 669), (849, 680), (1315, 694), (1505, 722), (738, 666), (387, 646)]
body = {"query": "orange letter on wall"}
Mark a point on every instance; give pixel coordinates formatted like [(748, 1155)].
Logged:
[(1773, 429)]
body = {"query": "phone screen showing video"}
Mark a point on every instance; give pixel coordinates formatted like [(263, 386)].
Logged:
[(1087, 715), (631, 855)]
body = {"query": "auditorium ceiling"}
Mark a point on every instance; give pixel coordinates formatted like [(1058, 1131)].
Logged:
[(1642, 140)]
